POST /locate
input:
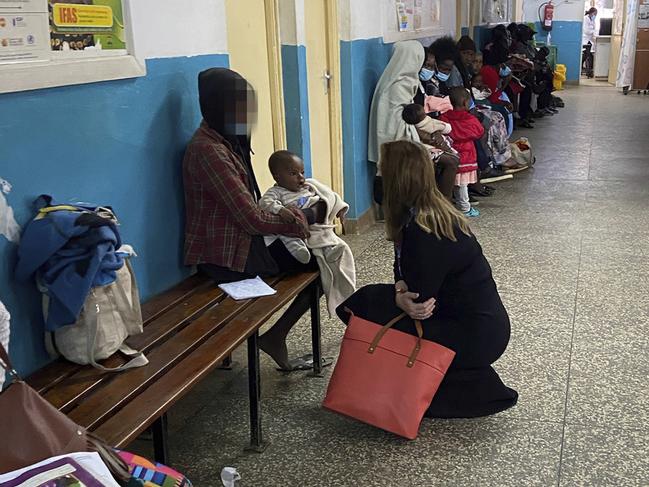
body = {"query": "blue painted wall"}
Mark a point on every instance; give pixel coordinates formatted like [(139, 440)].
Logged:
[(566, 35), (117, 143), (296, 103), (362, 62)]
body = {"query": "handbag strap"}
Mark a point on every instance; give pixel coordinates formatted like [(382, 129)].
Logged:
[(415, 351), (127, 311), (5, 363)]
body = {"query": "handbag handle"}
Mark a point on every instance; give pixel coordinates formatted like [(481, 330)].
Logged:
[(5, 363), (413, 355)]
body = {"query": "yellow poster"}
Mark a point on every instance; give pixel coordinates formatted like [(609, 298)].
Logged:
[(78, 16)]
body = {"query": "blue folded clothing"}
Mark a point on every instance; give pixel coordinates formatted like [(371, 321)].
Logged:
[(70, 250)]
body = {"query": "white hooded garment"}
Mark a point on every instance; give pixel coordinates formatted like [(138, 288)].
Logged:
[(396, 88)]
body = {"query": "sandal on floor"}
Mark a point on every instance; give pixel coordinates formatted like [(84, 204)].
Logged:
[(305, 363)]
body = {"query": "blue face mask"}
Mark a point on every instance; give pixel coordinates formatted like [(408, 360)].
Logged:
[(506, 71), (425, 74), (442, 76)]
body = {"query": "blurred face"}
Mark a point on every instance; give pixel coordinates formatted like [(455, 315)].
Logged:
[(290, 175), (241, 115), (477, 64), (429, 63), (445, 66), (478, 83), (468, 57)]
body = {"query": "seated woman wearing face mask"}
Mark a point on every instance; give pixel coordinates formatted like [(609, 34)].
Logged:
[(496, 75), (399, 86)]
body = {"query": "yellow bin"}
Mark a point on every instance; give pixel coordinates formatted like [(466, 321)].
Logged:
[(559, 76)]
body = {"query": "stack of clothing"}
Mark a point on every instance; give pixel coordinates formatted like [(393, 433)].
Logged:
[(69, 249)]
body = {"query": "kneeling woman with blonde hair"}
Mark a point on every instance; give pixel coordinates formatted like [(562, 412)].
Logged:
[(442, 278)]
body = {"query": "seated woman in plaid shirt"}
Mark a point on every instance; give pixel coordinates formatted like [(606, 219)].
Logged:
[(224, 224)]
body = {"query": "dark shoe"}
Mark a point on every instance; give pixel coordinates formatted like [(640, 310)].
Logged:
[(538, 114), (473, 201), (492, 175), (524, 124), (479, 190)]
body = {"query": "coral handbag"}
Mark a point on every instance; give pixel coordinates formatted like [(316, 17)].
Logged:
[(385, 377)]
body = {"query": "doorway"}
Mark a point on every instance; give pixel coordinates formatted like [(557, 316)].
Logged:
[(255, 52), (324, 98), (598, 44), (253, 46)]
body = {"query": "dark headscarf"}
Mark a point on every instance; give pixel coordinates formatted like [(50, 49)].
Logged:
[(221, 92), (495, 54)]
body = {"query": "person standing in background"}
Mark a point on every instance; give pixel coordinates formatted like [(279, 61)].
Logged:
[(589, 31)]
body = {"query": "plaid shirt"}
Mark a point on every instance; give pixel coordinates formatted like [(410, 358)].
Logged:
[(221, 212)]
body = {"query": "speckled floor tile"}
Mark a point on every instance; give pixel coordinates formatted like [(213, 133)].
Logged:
[(607, 457), (536, 361), (313, 447), (609, 376), (616, 242), (615, 274)]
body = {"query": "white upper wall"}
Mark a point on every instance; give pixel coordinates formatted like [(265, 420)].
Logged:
[(170, 29), (361, 19), (565, 10), (291, 20)]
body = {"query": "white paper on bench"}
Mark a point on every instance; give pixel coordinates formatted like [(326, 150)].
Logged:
[(247, 289)]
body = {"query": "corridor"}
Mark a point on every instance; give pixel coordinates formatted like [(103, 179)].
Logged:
[(568, 244)]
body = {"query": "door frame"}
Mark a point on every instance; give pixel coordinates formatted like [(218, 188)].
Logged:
[(335, 96), (271, 16)]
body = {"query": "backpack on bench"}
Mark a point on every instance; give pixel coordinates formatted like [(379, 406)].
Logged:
[(109, 316)]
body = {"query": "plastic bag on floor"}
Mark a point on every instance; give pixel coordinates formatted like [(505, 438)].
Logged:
[(522, 152), (229, 476)]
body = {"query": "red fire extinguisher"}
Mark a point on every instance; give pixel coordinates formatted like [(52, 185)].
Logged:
[(548, 13)]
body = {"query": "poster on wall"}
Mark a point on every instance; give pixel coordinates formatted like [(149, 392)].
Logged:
[(85, 25), (643, 15), (414, 18), (618, 17), (24, 31), (496, 11)]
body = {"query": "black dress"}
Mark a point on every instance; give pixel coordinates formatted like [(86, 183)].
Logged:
[(469, 318)]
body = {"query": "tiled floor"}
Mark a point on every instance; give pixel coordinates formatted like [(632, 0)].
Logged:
[(569, 246)]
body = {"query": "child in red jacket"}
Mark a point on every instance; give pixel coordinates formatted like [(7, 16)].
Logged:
[(466, 129)]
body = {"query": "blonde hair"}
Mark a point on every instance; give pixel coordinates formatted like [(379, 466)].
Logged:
[(409, 186)]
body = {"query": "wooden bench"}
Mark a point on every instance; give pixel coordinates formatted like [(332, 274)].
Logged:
[(189, 331)]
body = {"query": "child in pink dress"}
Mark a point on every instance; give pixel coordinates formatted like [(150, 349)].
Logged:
[(466, 129)]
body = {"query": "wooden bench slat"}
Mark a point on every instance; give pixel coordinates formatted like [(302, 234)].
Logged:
[(161, 303), (105, 400), (59, 370), (126, 424), (86, 379)]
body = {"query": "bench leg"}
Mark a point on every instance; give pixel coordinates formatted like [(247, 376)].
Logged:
[(160, 444), (226, 364), (315, 329), (257, 443)]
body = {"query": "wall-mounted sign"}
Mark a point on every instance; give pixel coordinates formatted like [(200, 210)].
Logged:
[(77, 25), (24, 34)]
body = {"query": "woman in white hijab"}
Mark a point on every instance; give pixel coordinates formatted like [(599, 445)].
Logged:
[(397, 87)]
